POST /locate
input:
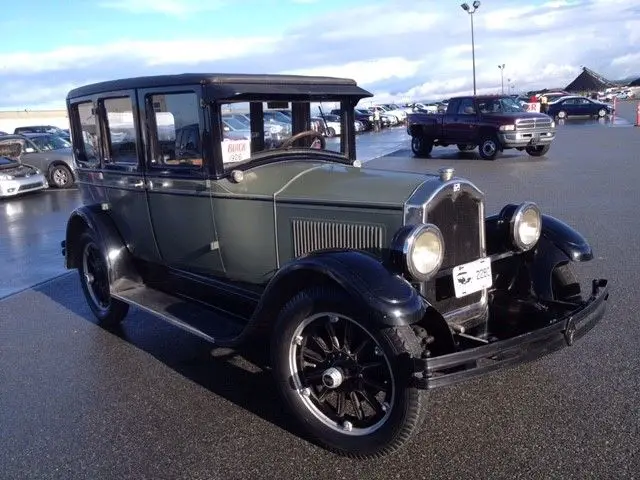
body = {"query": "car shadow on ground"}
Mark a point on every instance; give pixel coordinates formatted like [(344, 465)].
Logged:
[(241, 376), (512, 156)]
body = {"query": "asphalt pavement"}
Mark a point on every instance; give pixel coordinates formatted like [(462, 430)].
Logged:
[(150, 401)]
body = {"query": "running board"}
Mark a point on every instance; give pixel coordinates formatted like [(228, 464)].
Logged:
[(190, 315)]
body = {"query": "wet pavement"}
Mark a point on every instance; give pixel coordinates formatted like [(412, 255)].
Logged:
[(150, 401)]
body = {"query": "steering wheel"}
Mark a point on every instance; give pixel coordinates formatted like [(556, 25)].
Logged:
[(307, 133)]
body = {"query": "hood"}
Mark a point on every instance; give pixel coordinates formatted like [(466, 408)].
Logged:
[(343, 184), (17, 170)]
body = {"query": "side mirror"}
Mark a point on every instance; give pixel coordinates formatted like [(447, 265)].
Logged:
[(29, 150)]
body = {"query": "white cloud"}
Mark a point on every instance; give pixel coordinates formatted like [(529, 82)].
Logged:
[(168, 7), (398, 49)]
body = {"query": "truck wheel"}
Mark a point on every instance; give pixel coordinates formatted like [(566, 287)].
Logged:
[(538, 151), (343, 380), (489, 148), (94, 278), (465, 147), (421, 146)]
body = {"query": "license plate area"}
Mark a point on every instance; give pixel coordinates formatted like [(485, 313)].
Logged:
[(472, 277)]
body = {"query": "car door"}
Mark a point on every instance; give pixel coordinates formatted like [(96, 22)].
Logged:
[(122, 172), (460, 124), (178, 182)]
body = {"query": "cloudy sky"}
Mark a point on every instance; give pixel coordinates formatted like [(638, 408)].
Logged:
[(398, 49)]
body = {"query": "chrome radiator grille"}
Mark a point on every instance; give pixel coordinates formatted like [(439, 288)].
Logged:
[(533, 123), (311, 235), (460, 219)]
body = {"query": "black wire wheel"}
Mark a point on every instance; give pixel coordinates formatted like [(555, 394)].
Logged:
[(94, 278), (344, 380)]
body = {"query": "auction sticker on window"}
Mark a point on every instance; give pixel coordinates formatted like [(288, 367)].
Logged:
[(235, 150), (472, 277)]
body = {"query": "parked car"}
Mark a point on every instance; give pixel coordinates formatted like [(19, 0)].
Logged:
[(368, 287), (43, 129), (492, 123), (385, 120), (17, 178), (578, 106), (47, 152), (365, 118)]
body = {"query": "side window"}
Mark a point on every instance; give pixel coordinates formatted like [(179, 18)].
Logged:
[(86, 145), (466, 107), (177, 142), (12, 148), (121, 132)]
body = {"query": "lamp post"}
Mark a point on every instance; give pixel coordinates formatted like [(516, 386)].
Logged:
[(501, 67), (471, 10)]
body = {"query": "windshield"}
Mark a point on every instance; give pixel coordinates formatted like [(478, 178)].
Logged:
[(235, 124), (50, 142), (499, 105)]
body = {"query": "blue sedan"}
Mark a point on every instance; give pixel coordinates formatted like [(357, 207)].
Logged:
[(576, 106)]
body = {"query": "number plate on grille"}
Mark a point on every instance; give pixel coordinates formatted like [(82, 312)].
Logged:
[(472, 277)]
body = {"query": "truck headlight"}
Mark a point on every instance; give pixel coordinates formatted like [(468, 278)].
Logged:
[(526, 226), (424, 251), (507, 128)]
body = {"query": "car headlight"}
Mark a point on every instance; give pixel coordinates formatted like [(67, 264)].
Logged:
[(526, 226), (553, 124), (424, 251), (6, 177)]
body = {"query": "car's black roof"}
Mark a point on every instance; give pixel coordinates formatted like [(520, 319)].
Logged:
[(233, 84)]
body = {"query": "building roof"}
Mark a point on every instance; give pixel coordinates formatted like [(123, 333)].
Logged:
[(635, 83), (588, 80)]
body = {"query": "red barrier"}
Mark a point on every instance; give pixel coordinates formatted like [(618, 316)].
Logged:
[(638, 115)]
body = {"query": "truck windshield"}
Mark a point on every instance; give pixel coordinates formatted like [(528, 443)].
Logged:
[(499, 105)]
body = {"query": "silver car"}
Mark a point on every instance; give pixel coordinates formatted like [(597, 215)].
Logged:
[(47, 152), (17, 178)]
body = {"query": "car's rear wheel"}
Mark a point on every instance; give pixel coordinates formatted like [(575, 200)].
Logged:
[(60, 176), (344, 380), (94, 279), (538, 151), (421, 146), (489, 147)]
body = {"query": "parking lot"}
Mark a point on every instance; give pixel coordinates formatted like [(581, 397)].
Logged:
[(150, 401)]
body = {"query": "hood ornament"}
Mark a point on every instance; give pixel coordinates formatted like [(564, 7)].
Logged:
[(446, 173)]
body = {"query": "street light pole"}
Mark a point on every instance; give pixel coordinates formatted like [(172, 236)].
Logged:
[(465, 6), (501, 67)]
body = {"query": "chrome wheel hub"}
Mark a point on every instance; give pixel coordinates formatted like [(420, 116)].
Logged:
[(332, 377)]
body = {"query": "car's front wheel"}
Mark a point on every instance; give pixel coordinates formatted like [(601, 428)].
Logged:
[(94, 279), (602, 113), (345, 381), (421, 146), (538, 151), (562, 114), (60, 176), (489, 147)]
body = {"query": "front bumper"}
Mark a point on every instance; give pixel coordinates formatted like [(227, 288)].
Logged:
[(459, 366), (526, 138), (17, 186)]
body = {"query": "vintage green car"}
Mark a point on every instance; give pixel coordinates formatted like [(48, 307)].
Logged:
[(368, 286)]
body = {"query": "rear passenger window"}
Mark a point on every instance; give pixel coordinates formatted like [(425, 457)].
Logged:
[(121, 132), (176, 125), (86, 146)]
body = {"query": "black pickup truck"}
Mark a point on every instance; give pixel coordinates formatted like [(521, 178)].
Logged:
[(491, 122)]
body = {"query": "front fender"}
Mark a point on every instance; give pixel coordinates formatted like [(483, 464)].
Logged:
[(558, 244), (122, 270), (385, 297), (571, 243)]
